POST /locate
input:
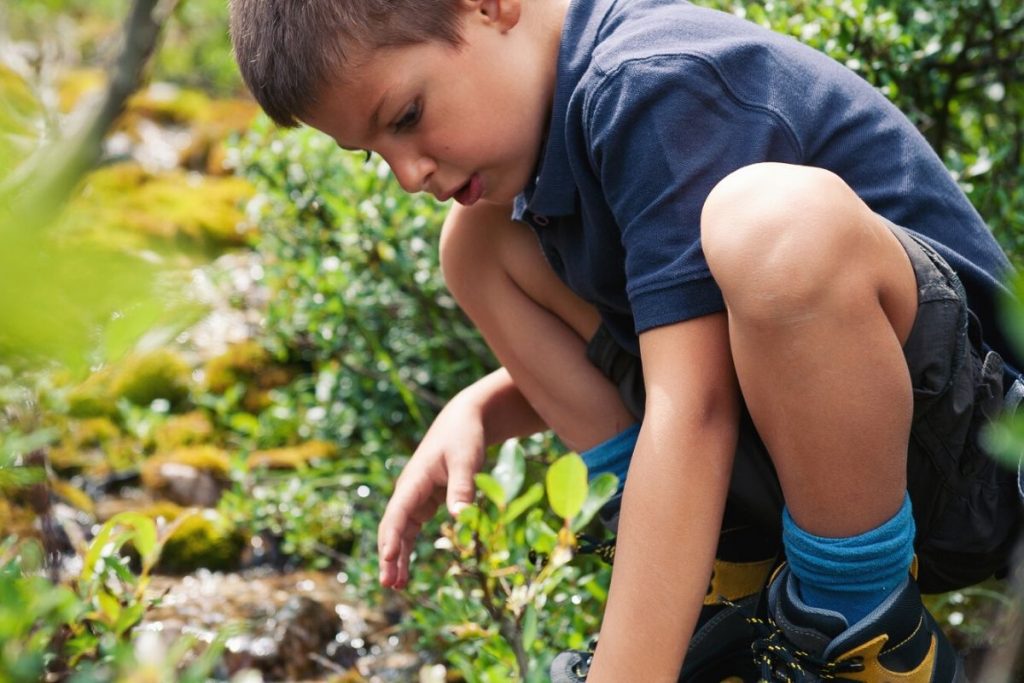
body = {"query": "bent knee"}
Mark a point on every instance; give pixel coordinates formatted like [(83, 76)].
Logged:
[(776, 235), (470, 252)]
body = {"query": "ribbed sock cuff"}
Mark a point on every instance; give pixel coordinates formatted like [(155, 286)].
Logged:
[(854, 574), (612, 455)]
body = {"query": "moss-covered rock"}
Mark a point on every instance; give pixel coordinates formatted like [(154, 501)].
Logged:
[(251, 365), (94, 432), (192, 475), (140, 378), (292, 457), (121, 454), (123, 206), (143, 378), (209, 122), (93, 397), (204, 539), (240, 363), (189, 429)]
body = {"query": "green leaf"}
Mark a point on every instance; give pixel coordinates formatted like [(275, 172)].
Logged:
[(245, 423), (109, 605), (533, 495), (96, 548), (491, 488), (1004, 439), (529, 627), (145, 536), (129, 617), (601, 490), (510, 471), (567, 485), (541, 537)]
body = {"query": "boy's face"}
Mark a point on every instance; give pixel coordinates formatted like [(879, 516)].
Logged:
[(464, 123)]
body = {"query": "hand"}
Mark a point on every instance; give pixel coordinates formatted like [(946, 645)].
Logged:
[(441, 469)]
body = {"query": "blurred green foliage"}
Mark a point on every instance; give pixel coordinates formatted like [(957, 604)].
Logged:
[(195, 50)]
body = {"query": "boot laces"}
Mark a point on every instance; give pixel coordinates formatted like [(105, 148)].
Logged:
[(582, 667), (779, 660)]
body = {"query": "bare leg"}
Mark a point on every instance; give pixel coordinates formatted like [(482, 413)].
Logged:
[(534, 324), (821, 297)]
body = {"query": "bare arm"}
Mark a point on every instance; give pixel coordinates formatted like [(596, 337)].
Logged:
[(673, 502), (486, 412)]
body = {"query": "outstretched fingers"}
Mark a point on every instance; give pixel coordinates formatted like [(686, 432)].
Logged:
[(409, 509)]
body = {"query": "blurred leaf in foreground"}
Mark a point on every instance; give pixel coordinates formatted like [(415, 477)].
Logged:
[(73, 303)]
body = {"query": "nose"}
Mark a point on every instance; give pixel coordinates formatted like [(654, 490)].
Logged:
[(412, 170)]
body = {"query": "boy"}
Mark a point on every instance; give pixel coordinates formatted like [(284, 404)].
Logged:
[(771, 238)]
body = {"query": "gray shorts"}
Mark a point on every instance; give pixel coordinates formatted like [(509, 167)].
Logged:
[(966, 507)]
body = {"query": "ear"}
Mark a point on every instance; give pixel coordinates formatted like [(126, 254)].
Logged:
[(503, 14)]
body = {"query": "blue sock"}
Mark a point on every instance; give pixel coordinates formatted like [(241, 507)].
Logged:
[(612, 455), (851, 575)]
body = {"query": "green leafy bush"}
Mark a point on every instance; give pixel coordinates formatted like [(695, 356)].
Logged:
[(355, 292), (510, 600)]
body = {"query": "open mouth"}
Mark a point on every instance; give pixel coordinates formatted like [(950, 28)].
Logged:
[(470, 193)]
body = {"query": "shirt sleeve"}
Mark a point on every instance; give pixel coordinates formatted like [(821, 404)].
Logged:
[(663, 131)]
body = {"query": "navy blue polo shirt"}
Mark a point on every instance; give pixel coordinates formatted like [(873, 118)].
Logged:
[(658, 100)]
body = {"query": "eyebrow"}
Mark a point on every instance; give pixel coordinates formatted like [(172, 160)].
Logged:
[(375, 117), (374, 122)]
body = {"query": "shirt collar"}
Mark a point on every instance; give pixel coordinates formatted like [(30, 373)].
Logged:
[(552, 192)]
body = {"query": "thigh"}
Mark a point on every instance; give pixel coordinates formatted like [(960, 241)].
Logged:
[(536, 327)]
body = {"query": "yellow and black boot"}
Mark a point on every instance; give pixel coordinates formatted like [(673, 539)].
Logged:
[(720, 649), (898, 642)]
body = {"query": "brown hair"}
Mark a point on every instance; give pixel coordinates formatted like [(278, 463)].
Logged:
[(289, 50)]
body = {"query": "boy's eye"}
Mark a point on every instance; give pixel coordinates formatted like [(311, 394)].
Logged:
[(409, 118)]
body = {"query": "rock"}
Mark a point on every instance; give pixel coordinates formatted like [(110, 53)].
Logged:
[(191, 476), (183, 430), (293, 626), (203, 539)]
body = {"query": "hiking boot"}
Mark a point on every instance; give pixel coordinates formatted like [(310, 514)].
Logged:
[(720, 646), (898, 641), (719, 649)]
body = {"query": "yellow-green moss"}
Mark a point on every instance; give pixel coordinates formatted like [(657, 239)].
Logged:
[(209, 121), (93, 398), (204, 539), (183, 430), (210, 459), (239, 363), (292, 457), (125, 207), (143, 378), (247, 363), (74, 496), (94, 431), (117, 455)]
